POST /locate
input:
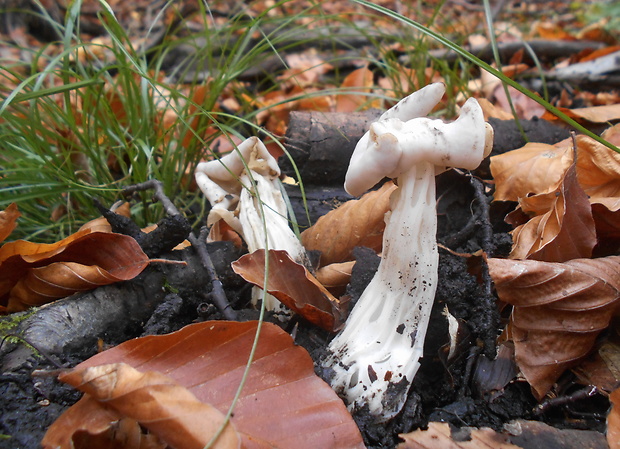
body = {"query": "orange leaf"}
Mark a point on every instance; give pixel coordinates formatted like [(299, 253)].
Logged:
[(101, 224), (592, 114), (559, 310), (152, 399), (539, 168), (283, 403), (8, 220), (598, 170), (37, 273), (439, 436), (292, 285), (564, 231), (361, 78), (613, 421), (335, 277), (354, 223), (534, 168)]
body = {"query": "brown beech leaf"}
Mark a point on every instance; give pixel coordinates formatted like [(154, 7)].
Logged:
[(166, 409), (538, 168), (598, 170), (335, 277), (89, 425), (354, 223), (439, 436), (613, 421), (36, 273), (591, 114), (559, 310), (8, 221), (564, 231), (101, 224), (293, 285), (534, 168), (283, 403), (360, 80)]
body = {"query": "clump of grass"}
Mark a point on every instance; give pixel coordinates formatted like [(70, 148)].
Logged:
[(85, 119), (97, 116)]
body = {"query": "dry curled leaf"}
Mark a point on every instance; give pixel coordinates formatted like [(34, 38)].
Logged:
[(538, 168), (8, 221), (32, 274), (562, 227), (534, 168), (439, 436), (283, 403), (354, 223), (335, 277), (613, 421), (292, 285), (360, 80), (559, 310), (166, 409)]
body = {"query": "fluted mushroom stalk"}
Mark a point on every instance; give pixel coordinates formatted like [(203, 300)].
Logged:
[(377, 354), (244, 205)]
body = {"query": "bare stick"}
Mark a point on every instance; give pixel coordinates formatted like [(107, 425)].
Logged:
[(217, 294)]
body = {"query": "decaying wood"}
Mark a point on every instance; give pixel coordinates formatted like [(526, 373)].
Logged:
[(545, 50), (321, 143), (113, 313)]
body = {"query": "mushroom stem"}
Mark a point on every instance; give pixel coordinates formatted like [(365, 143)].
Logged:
[(382, 362)]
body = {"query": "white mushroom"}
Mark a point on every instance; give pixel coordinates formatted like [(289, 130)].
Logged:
[(243, 190), (376, 356)]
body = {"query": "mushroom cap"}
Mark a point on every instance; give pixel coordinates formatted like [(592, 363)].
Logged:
[(219, 179), (394, 146)]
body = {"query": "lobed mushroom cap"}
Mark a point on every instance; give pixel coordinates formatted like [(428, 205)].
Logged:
[(393, 146)]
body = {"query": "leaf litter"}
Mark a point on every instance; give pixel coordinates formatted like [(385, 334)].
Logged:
[(554, 207)]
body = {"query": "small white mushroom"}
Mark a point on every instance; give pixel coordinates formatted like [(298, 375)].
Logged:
[(243, 189), (376, 356)]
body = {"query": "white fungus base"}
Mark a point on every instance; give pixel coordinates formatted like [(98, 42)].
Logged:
[(383, 339), (266, 226)]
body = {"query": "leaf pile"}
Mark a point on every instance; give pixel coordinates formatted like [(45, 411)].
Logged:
[(179, 386), (568, 198), (32, 274)]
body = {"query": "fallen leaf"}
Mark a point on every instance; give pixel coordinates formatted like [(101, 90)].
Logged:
[(37, 273), (283, 403), (89, 425), (538, 168), (101, 224), (562, 229), (598, 170), (335, 277), (292, 285), (538, 435), (559, 310), (304, 69), (534, 168), (592, 114), (360, 80), (8, 221), (613, 421), (166, 409), (354, 223), (602, 368), (439, 436)]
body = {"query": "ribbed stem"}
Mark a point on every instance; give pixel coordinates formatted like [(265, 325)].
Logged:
[(383, 339)]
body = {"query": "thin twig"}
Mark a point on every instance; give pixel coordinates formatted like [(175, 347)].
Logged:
[(487, 299), (563, 400), (217, 294)]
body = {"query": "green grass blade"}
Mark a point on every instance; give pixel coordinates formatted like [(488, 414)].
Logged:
[(483, 65)]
